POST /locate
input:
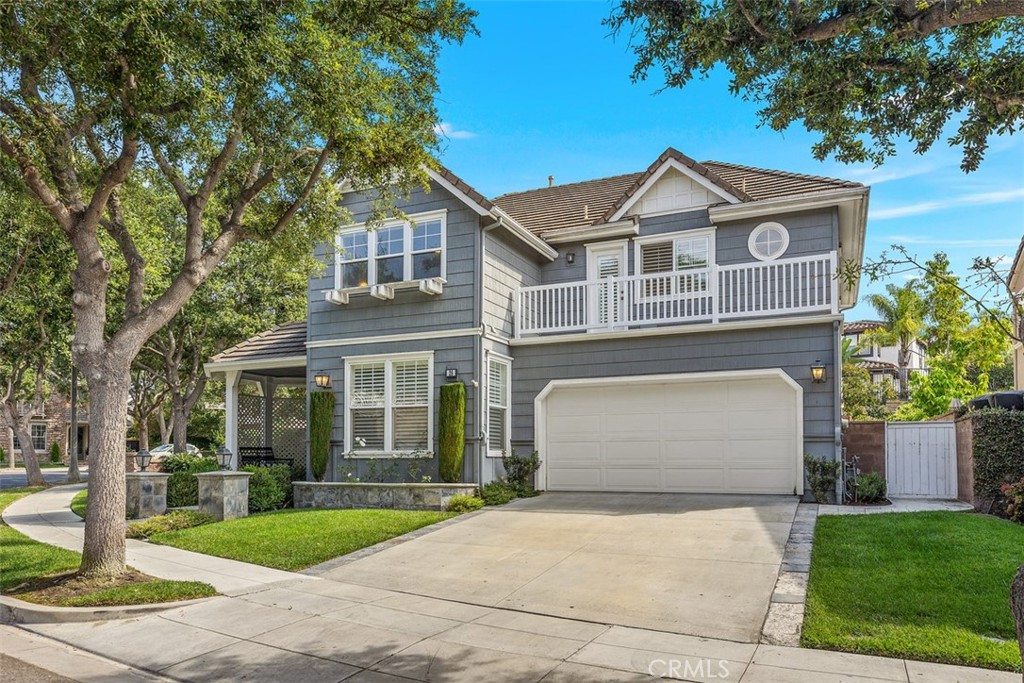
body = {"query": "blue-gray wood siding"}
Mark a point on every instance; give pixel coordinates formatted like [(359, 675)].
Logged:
[(453, 352), (792, 348), (410, 310), (508, 265)]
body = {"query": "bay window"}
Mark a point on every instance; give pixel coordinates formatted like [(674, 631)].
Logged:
[(388, 404), (396, 252)]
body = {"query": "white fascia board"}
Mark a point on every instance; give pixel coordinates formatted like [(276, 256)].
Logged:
[(462, 196), (688, 328), (656, 176), (258, 364), (512, 225), (622, 228)]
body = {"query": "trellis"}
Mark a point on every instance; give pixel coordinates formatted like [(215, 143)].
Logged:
[(287, 426)]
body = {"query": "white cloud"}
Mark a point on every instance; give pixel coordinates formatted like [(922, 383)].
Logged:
[(975, 199), (449, 131), (876, 176)]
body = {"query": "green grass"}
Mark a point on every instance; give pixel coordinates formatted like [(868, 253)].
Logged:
[(929, 585), (296, 539), (43, 465), (24, 561), (80, 502)]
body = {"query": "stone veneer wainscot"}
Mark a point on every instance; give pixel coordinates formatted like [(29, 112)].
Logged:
[(338, 495)]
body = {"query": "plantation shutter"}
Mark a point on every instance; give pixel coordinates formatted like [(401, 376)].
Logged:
[(366, 405), (656, 258), (497, 405), (411, 398)]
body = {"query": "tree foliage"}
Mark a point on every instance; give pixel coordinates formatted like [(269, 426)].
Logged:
[(902, 311), (247, 114), (861, 73), (863, 399)]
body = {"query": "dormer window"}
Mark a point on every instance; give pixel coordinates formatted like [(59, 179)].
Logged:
[(398, 251)]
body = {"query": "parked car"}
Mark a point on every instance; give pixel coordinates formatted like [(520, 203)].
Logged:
[(168, 449)]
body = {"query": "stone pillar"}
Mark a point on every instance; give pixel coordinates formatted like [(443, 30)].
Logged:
[(146, 494), (224, 494)]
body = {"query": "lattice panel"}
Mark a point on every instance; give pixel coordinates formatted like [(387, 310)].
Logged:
[(289, 429), (251, 425)]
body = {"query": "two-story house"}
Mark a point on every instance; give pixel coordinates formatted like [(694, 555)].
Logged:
[(672, 329), (882, 361)]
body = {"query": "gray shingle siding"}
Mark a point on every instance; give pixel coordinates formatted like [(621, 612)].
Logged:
[(410, 310), (508, 266), (793, 349)]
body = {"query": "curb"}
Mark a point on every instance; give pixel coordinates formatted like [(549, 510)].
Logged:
[(14, 611)]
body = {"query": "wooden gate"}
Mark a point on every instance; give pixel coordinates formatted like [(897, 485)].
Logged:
[(920, 459)]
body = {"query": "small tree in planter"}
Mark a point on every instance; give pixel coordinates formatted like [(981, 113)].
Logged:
[(321, 423), (55, 454), (822, 475), (451, 419)]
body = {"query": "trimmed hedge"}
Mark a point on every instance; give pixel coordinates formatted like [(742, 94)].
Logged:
[(270, 487), (451, 430), (998, 443), (321, 424), (182, 487)]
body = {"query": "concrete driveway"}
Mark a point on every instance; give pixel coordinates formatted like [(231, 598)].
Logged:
[(700, 565)]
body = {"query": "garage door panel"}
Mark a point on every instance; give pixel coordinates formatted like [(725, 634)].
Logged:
[(693, 435), (695, 454), (632, 453)]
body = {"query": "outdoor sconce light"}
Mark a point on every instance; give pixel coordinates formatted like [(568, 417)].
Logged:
[(142, 459), (323, 381), (451, 373), (224, 457), (818, 372), (570, 257)]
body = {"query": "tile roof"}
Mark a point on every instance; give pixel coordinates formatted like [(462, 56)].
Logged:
[(592, 202), (858, 326), (876, 365), (284, 340)]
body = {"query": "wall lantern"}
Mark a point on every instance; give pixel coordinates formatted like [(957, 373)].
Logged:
[(142, 459), (322, 381), (224, 457), (570, 257), (451, 373), (818, 372)]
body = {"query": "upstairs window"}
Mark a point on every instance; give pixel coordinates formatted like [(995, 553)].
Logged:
[(687, 255), (388, 405), (395, 252), (768, 241)]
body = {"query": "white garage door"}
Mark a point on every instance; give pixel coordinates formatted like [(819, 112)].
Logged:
[(707, 433)]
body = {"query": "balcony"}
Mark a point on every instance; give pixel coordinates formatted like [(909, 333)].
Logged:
[(806, 284)]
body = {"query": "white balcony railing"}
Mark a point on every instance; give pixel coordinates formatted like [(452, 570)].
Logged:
[(785, 286)]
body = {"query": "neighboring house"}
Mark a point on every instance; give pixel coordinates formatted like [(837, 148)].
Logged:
[(882, 361), (51, 426), (655, 331), (1017, 287)]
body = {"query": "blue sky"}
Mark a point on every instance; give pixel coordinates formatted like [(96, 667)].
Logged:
[(545, 90)]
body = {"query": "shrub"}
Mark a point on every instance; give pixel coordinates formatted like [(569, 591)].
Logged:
[(55, 454), (822, 474), (182, 487), (175, 519), (497, 492), (266, 491), (462, 504), (321, 424), (451, 430), (3, 455), (519, 471), (998, 443), (1014, 494), (871, 488)]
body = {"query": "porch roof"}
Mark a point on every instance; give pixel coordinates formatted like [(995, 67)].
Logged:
[(280, 351)]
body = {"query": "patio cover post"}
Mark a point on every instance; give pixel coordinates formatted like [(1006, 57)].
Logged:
[(231, 378), (269, 389)]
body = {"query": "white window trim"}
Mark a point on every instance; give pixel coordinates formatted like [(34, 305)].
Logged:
[(507, 362), (593, 249), (670, 238), (371, 248), (764, 227), (389, 360)]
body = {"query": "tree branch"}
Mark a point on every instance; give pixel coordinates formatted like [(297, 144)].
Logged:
[(34, 180)]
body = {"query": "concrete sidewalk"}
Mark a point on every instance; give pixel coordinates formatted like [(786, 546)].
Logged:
[(327, 631), (47, 517), (898, 505)]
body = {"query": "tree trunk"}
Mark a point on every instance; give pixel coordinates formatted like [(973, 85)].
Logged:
[(28, 454), (104, 551), (179, 422), (73, 475), (1017, 606), (165, 429), (142, 429)]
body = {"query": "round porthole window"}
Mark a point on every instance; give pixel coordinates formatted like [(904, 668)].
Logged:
[(768, 241)]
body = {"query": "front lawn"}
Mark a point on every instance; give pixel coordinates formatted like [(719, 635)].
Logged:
[(296, 539), (42, 573), (80, 502), (927, 585)]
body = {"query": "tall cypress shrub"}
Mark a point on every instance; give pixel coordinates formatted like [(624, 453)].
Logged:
[(451, 430), (321, 423)]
